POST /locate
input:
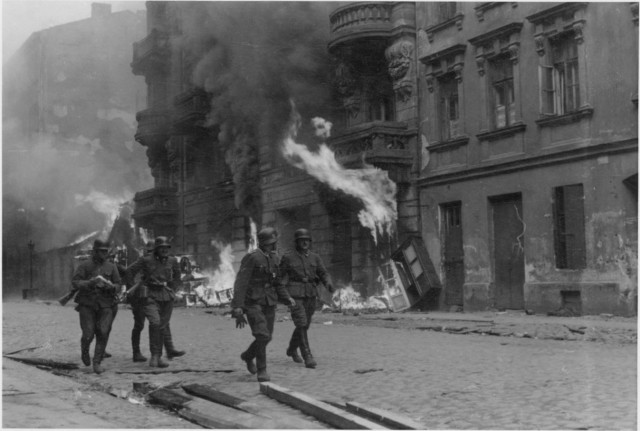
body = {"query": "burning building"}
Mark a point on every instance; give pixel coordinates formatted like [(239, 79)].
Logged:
[(409, 138), (69, 104)]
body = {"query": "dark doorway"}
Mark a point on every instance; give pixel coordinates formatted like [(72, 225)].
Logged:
[(453, 253), (508, 251)]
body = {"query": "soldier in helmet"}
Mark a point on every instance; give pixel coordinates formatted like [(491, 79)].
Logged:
[(302, 270), (136, 301), (97, 281), (255, 293), (160, 279)]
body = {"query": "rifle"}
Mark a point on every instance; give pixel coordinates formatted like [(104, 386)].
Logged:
[(68, 297), (74, 291), (126, 297)]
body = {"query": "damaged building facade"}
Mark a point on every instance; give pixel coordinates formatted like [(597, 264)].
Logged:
[(509, 129)]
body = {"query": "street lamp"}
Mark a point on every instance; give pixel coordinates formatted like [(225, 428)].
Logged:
[(31, 246)]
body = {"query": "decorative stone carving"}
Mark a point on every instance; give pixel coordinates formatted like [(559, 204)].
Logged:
[(403, 89), (480, 62), (429, 81), (577, 29), (457, 70), (399, 57), (540, 43), (514, 52), (345, 82), (352, 105)]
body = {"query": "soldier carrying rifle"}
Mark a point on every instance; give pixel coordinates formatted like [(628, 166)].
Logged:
[(96, 282), (160, 279)]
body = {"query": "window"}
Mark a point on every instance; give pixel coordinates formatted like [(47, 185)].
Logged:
[(559, 79), (448, 106), (503, 100), (569, 227), (446, 10)]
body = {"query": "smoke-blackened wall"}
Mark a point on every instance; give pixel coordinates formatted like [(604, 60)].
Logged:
[(254, 58)]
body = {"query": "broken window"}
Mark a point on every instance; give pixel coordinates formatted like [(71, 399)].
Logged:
[(570, 247)]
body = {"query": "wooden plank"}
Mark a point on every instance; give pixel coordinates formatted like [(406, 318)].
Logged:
[(47, 363), (211, 394), (174, 370), (244, 420), (206, 421), (169, 398), (389, 419), (318, 409)]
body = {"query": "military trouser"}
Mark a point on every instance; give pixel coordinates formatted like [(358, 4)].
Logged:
[(137, 308), (261, 319), (159, 314), (95, 321), (301, 316)]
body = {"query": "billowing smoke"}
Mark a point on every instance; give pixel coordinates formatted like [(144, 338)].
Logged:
[(253, 57), (370, 185), (68, 128)]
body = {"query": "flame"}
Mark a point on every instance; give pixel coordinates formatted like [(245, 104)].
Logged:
[(370, 185), (253, 242), (83, 238), (219, 289), (348, 299)]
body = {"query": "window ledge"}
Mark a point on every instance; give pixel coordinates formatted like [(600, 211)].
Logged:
[(502, 132), (571, 117), (449, 143)]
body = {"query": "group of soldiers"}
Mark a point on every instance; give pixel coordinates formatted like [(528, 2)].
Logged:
[(263, 280)]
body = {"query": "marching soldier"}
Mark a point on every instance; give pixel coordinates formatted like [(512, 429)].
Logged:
[(97, 281), (255, 293), (136, 301), (160, 279), (301, 271)]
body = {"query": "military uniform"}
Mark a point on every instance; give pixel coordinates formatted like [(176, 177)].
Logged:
[(161, 277), (302, 271), (257, 291), (95, 304)]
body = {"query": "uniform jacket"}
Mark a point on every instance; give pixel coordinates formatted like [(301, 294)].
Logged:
[(301, 273), (156, 271), (93, 296), (257, 281)]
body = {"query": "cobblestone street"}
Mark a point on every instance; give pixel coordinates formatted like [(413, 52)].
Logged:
[(442, 380)]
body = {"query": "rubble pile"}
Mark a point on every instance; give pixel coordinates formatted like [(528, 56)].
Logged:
[(348, 300)]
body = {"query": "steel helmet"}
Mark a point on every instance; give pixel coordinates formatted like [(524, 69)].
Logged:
[(302, 234), (161, 241), (100, 245), (267, 235)]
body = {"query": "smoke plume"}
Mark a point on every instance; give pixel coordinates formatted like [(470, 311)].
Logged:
[(253, 57)]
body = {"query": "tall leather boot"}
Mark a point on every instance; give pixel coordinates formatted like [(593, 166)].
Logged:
[(309, 362), (98, 354), (155, 339), (135, 346), (169, 347), (84, 351), (248, 356), (261, 360), (292, 351)]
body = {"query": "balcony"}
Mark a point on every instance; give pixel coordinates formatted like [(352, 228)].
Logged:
[(388, 145), (151, 53), (159, 204), (153, 126), (359, 21), (191, 109)]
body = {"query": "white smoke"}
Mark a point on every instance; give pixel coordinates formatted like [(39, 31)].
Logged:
[(322, 126), (370, 185)]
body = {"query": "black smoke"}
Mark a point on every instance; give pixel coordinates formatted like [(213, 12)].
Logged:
[(255, 58)]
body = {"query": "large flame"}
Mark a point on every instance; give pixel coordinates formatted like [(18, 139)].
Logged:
[(347, 299), (219, 289), (370, 185)]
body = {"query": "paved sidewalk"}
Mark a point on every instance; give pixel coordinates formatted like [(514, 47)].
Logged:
[(34, 398)]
